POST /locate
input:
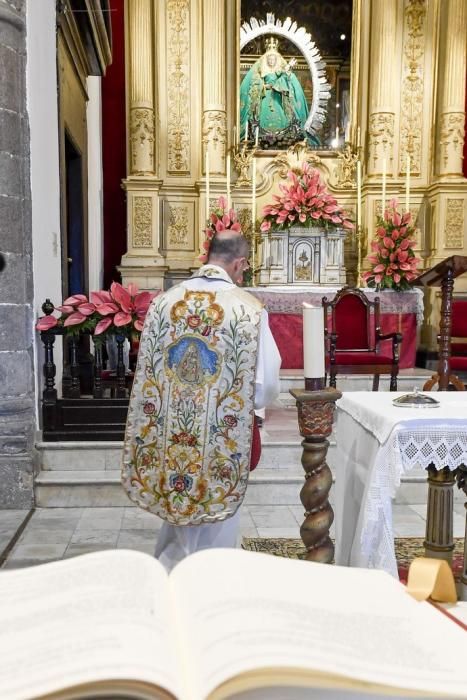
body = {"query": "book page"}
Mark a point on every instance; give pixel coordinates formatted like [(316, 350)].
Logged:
[(244, 611), (94, 617)]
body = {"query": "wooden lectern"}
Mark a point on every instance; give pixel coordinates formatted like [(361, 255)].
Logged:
[(443, 275)]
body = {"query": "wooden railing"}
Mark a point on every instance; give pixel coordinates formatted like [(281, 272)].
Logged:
[(94, 400)]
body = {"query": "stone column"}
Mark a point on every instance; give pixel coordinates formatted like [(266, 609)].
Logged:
[(214, 95), (141, 87), (452, 73), (381, 93), (17, 415)]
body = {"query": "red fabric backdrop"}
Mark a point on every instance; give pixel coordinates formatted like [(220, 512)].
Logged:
[(114, 148), (288, 334)]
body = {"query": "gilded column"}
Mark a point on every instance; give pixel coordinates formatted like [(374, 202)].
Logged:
[(381, 97), (453, 21), (214, 92), (141, 87)]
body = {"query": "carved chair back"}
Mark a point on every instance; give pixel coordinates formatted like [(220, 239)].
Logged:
[(354, 319)]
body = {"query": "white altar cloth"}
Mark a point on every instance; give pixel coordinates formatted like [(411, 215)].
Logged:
[(376, 444), (289, 298)]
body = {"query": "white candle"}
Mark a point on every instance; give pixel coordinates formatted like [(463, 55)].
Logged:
[(337, 135), (347, 133), (359, 194), (228, 181), (235, 137), (256, 136), (383, 195), (206, 167), (313, 341), (246, 130), (407, 184), (358, 137), (253, 215)]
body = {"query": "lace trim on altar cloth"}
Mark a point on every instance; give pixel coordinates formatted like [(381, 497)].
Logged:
[(287, 300), (404, 450)]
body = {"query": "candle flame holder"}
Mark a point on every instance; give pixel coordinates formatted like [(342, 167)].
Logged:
[(242, 157)]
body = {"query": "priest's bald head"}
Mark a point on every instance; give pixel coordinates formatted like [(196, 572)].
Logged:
[(229, 249)]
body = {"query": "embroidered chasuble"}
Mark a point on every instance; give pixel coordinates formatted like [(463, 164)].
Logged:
[(190, 419)]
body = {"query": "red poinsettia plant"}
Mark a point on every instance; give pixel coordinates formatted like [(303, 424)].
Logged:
[(120, 310), (304, 201), (220, 219), (393, 260)]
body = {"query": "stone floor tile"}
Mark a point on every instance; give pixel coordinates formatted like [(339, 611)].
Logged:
[(272, 516), (128, 538), (95, 537), (24, 563), (292, 532), (74, 550), (66, 513), (139, 547), (39, 535), (41, 552)]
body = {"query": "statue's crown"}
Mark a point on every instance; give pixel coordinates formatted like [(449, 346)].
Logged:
[(272, 44)]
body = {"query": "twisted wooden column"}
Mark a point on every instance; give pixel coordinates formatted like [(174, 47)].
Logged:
[(315, 419)]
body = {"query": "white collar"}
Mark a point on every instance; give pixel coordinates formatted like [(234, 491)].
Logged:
[(213, 272)]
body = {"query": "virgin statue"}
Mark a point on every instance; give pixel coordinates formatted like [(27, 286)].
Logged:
[(272, 98)]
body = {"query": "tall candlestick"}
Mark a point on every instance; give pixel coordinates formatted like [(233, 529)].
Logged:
[(359, 194), (383, 195), (235, 137), (337, 135), (253, 217), (246, 130), (206, 167), (256, 136), (313, 341), (228, 181), (407, 183), (358, 137)]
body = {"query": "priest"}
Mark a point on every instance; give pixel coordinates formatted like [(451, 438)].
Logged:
[(207, 359)]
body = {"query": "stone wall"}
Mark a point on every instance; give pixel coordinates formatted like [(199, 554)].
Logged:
[(17, 415)]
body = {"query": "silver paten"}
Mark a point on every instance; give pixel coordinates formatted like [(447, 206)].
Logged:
[(416, 400)]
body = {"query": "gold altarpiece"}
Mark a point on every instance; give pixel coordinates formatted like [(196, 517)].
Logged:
[(408, 69)]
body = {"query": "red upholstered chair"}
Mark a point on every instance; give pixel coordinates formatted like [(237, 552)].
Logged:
[(353, 337)]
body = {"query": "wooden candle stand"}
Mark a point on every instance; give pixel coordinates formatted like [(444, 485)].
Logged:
[(316, 406)]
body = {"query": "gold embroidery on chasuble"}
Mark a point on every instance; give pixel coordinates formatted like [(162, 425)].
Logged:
[(188, 438)]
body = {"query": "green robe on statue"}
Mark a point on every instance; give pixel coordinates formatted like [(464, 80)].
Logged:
[(272, 98)]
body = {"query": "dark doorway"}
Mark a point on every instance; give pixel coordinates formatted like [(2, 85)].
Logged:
[(75, 240)]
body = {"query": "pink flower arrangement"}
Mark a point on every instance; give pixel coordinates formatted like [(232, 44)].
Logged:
[(303, 201), (221, 219), (393, 260), (118, 310)]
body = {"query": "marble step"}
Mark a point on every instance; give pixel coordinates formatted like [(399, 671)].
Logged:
[(274, 486)]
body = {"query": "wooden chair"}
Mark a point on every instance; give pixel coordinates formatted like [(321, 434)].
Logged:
[(353, 335)]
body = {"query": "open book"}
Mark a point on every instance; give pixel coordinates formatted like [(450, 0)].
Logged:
[(224, 624)]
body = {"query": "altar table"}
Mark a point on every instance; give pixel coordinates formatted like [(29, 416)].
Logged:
[(376, 444), (400, 312)]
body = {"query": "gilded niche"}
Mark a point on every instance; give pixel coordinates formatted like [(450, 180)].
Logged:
[(142, 222), (178, 85)]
